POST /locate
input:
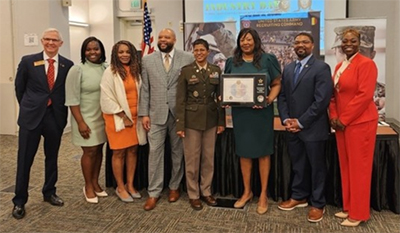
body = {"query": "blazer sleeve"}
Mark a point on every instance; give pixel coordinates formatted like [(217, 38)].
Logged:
[(144, 98), (108, 97), (322, 95), (181, 92), (367, 77), (283, 107), (21, 79), (332, 105)]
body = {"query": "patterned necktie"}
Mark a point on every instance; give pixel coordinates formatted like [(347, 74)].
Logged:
[(296, 72), (166, 62), (50, 76)]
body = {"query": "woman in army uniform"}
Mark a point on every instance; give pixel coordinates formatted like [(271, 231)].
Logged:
[(199, 118)]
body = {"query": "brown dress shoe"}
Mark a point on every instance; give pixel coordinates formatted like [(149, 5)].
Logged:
[(315, 214), (292, 203), (173, 195), (150, 203), (196, 204), (209, 200)]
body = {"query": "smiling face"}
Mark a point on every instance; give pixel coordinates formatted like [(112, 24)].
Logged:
[(93, 52), (200, 53), (350, 44), (51, 42), (124, 54), (303, 46), (247, 44), (166, 40)]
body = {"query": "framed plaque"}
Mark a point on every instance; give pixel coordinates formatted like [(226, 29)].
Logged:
[(244, 89)]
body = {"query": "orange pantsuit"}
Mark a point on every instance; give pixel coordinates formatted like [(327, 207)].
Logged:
[(352, 103)]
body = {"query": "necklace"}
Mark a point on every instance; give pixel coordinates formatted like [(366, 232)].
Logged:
[(247, 60)]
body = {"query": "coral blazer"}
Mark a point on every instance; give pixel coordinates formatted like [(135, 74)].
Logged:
[(352, 100)]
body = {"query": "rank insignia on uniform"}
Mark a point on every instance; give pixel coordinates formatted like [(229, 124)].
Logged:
[(214, 75), (260, 80)]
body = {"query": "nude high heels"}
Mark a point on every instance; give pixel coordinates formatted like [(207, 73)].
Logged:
[(242, 202)]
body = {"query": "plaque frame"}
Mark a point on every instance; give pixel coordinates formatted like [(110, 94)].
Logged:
[(244, 90)]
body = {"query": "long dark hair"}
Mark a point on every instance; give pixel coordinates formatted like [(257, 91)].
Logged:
[(134, 63), (85, 44), (258, 50)]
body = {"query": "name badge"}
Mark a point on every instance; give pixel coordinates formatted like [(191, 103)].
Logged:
[(39, 63)]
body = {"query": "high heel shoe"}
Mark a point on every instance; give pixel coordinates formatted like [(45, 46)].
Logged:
[(135, 195), (342, 214), (127, 199), (262, 210), (350, 223), (241, 203), (101, 194), (93, 200)]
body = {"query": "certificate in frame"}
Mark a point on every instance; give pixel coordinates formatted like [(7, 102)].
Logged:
[(244, 90)]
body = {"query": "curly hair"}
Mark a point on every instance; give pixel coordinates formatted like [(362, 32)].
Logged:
[(258, 50), (134, 63), (85, 44)]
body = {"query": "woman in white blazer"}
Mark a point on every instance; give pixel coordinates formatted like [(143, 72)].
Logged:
[(119, 99)]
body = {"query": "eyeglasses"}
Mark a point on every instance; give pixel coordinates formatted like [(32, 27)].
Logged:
[(52, 40), (306, 42)]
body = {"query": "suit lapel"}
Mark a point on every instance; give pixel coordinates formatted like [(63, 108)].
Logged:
[(304, 71), (39, 65), (61, 72)]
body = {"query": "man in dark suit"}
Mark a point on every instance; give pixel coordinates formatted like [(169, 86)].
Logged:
[(40, 91), (306, 91)]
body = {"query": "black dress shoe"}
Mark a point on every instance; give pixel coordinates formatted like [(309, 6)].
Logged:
[(54, 200), (18, 211)]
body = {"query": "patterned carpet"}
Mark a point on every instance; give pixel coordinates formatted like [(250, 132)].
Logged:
[(112, 215)]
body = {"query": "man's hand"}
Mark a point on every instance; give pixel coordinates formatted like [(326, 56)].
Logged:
[(146, 123), (181, 134), (292, 125), (220, 129)]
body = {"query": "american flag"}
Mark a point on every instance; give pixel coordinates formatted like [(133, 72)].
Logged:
[(147, 48)]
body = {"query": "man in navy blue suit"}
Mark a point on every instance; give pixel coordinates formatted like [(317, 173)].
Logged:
[(305, 94), (40, 91)]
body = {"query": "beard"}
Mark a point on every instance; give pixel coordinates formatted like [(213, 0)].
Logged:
[(167, 49), (302, 55)]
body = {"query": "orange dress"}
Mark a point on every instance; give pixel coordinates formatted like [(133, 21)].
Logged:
[(128, 136)]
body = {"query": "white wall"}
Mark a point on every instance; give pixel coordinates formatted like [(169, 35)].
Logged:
[(110, 24), (16, 22), (391, 10), (7, 100)]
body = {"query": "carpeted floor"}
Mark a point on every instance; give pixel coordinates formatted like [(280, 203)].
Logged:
[(112, 215)]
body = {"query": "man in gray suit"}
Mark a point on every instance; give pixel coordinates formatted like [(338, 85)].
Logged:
[(160, 71)]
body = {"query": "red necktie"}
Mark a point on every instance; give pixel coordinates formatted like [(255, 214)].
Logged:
[(50, 76)]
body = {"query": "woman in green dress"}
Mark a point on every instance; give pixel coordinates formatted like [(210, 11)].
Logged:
[(83, 98), (253, 126)]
